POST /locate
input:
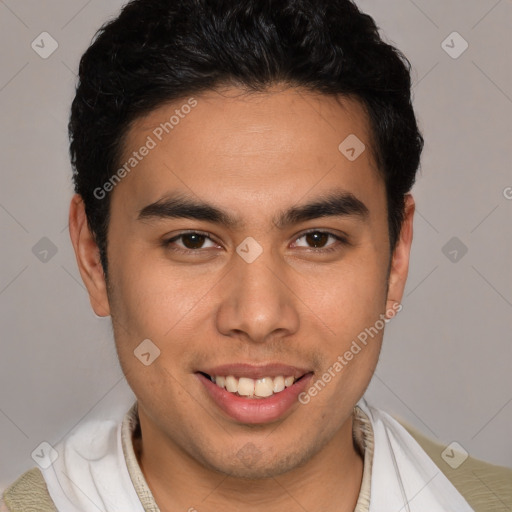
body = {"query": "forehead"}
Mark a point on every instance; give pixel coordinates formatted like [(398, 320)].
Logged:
[(251, 149)]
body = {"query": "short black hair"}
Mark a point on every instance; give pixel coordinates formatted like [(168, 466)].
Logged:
[(158, 51)]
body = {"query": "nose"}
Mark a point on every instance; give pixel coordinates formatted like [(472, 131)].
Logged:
[(257, 303)]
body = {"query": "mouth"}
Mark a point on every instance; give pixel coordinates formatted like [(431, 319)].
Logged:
[(255, 394), (253, 388)]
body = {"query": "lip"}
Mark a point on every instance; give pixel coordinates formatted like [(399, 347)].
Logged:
[(255, 410), (256, 372)]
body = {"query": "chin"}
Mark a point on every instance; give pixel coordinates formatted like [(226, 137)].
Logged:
[(250, 463)]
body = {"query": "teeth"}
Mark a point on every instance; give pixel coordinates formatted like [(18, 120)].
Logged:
[(278, 384), (264, 387), (259, 388), (231, 384), (245, 386)]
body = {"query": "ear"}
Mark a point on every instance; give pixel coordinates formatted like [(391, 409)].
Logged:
[(88, 257), (400, 260)]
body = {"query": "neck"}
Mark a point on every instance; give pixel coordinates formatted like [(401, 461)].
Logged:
[(329, 481)]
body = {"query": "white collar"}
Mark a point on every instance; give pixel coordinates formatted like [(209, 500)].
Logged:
[(404, 477), (91, 474)]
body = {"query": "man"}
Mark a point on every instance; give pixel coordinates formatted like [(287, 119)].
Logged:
[(242, 212)]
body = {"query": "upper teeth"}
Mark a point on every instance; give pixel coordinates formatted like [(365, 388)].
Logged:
[(244, 386)]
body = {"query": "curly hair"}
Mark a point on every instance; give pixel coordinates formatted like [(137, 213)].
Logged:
[(158, 51)]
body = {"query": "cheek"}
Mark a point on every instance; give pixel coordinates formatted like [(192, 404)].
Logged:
[(346, 298), (159, 303), (348, 304), (145, 293)]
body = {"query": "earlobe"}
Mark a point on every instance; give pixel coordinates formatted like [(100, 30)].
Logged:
[(88, 257), (401, 254)]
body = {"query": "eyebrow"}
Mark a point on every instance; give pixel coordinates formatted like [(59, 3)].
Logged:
[(178, 206)]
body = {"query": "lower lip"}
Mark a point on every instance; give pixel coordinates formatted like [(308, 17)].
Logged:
[(255, 410)]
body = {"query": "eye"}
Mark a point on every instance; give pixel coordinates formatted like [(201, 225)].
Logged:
[(319, 240), (193, 241), (189, 242)]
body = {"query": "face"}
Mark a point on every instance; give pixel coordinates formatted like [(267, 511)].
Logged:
[(245, 244)]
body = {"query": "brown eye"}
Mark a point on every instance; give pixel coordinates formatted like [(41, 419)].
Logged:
[(320, 240), (317, 239), (193, 240)]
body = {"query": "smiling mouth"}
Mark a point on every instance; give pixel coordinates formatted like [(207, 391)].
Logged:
[(253, 388)]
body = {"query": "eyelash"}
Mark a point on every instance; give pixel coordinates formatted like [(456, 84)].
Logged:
[(331, 248)]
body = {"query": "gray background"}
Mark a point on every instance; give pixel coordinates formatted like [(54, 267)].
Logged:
[(446, 362)]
